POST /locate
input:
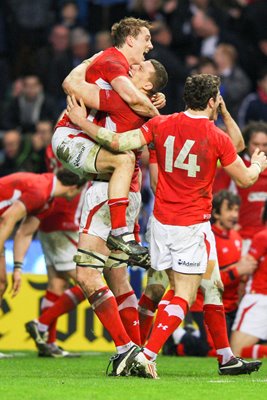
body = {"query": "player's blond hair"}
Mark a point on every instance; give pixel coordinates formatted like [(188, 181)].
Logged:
[(128, 26)]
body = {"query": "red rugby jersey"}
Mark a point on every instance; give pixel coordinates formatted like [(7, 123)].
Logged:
[(187, 148)]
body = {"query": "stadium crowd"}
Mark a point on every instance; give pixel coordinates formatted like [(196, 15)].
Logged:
[(223, 38)]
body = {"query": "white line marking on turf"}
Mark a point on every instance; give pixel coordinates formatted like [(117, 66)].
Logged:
[(227, 381)]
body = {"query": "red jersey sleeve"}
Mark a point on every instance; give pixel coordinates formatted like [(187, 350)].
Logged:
[(227, 152), (258, 246), (148, 129)]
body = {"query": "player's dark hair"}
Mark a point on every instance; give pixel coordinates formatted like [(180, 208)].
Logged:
[(253, 127), (160, 78), (199, 89), (68, 178), (218, 199), (127, 26)]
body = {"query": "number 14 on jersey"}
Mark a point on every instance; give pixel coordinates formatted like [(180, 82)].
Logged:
[(191, 166)]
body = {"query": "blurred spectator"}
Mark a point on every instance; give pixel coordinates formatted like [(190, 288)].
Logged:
[(28, 22), (31, 105), (69, 14), (205, 65), (102, 41), (11, 153), (44, 129), (4, 70), (235, 84), (146, 9), (252, 198), (54, 62), (254, 105), (104, 13), (209, 30), (161, 39), (80, 43)]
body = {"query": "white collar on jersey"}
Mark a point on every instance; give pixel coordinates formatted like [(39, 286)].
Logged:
[(194, 116)]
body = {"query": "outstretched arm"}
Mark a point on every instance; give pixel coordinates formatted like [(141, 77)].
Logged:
[(129, 140)]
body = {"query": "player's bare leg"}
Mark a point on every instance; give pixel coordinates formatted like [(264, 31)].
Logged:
[(90, 263), (85, 158)]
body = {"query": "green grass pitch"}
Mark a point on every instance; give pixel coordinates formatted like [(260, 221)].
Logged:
[(28, 377)]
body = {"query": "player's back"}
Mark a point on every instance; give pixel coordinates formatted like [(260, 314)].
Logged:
[(187, 148), (23, 181), (34, 190), (109, 65)]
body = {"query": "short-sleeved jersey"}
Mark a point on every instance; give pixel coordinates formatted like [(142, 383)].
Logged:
[(35, 191), (258, 249), (252, 200), (228, 246), (187, 149)]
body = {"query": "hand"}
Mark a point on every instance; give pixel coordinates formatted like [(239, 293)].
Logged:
[(16, 282), (159, 100), (88, 61), (259, 158), (246, 265), (223, 110), (75, 111)]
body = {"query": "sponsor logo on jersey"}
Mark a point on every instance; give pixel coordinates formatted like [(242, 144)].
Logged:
[(76, 162), (257, 196)]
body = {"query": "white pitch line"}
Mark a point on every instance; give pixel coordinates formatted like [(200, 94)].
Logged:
[(227, 381)]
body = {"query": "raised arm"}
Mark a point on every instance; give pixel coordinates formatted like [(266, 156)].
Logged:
[(245, 176), (22, 241), (129, 140), (232, 128)]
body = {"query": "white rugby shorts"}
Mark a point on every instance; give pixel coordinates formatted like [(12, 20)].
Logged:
[(76, 152), (251, 317), (184, 249), (59, 247), (95, 218)]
